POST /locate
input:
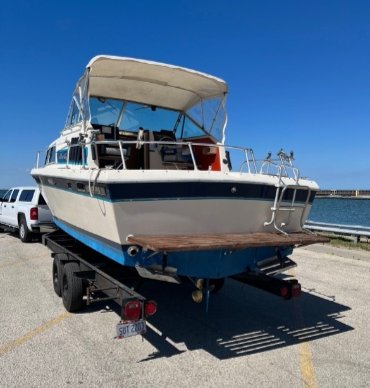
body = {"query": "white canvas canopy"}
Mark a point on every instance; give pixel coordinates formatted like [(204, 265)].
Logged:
[(151, 83)]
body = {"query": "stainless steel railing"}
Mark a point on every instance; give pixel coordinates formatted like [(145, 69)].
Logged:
[(242, 156)]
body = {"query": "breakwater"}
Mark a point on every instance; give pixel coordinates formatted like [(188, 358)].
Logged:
[(343, 193)]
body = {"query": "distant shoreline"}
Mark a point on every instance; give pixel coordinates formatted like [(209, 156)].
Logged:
[(348, 193), (340, 197), (318, 196)]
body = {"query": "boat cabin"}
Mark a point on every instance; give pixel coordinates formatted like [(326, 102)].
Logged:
[(133, 114)]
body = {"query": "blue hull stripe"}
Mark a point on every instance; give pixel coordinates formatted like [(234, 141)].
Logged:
[(105, 247), (207, 264)]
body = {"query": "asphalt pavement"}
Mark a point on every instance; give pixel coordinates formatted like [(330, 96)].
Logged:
[(248, 337)]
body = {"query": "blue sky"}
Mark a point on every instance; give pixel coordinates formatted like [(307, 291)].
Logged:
[(298, 72)]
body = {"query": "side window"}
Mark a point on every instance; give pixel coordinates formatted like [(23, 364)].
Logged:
[(47, 157), (14, 196), (7, 196), (26, 195), (50, 156), (75, 152), (74, 115)]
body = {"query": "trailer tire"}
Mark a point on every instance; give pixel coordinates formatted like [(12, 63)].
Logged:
[(24, 234), (72, 287), (57, 276)]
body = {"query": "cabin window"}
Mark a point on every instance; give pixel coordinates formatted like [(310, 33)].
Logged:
[(50, 155), (105, 111), (75, 151), (130, 116), (190, 130), (74, 115), (47, 157), (210, 115)]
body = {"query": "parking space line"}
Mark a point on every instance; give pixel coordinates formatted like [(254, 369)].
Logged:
[(306, 366), (33, 333)]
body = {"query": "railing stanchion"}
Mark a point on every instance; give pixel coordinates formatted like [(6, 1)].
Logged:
[(122, 155), (247, 159), (190, 145)]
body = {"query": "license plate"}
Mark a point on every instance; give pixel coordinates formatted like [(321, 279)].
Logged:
[(130, 329)]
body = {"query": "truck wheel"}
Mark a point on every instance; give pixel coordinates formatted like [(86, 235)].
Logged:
[(72, 287), (24, 234), (57, 276)]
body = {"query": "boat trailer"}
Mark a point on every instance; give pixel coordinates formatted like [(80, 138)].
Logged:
[(82, 275)]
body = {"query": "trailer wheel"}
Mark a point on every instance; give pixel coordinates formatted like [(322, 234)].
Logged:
[(57, 276), (72, 287), (24, 234)]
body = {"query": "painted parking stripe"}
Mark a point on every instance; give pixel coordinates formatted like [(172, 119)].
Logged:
[(308, 375), (33, 333)]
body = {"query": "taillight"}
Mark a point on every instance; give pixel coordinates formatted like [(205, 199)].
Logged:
[(150, 308), (131, 311), (34, 213), (284, 292), (296, 290)]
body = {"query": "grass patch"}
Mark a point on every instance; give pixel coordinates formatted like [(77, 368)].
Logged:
[(348, 242)]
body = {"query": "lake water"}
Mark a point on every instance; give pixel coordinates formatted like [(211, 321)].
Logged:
[(347, 211)]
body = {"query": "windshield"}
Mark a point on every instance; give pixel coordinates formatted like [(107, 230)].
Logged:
[(203, 119)]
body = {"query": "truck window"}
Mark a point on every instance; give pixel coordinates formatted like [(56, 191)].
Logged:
[(14, 196), (26, 195), (41, 200), (7, 196)]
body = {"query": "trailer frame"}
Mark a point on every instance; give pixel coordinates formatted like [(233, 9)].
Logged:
[(93, 278)]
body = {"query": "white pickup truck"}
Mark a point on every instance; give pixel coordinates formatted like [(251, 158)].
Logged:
[(24, 209)]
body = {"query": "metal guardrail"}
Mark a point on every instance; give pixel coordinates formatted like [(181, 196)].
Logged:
[(350, 230)]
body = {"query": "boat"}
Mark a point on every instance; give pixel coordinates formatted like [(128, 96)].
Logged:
[(141, 173)]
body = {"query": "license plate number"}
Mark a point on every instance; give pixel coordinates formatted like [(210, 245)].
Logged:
[(125, 330)]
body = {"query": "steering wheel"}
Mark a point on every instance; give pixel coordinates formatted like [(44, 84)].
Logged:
[(166, 138)]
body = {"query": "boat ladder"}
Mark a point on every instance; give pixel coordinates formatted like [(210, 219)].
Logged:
[(283, 205)]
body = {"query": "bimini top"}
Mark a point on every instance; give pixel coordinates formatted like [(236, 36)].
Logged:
[(150, 82)]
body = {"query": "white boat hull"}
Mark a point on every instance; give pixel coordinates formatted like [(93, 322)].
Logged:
[(104, 222)]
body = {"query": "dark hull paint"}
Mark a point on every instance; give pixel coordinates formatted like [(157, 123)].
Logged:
[(122, 191)]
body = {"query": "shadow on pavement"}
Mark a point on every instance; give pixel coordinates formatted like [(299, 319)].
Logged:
[(241, 320)]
